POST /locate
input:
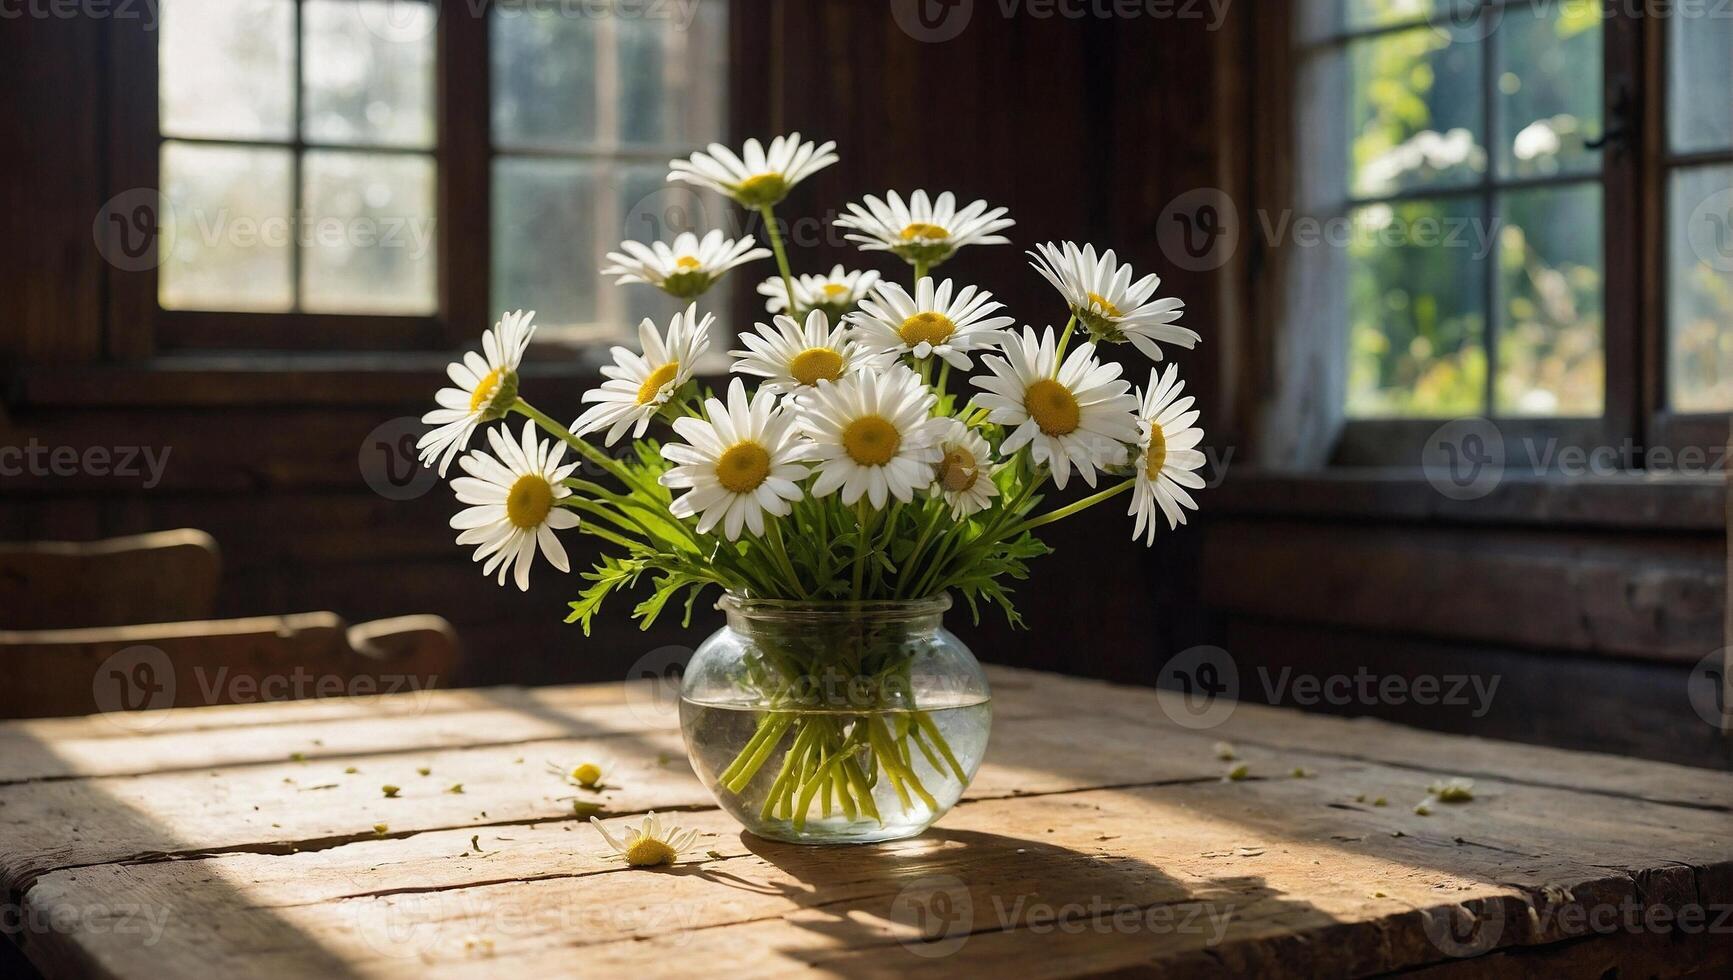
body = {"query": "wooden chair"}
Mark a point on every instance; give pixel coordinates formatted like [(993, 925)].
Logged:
[(166, 576), (124, 625), (123, 670)]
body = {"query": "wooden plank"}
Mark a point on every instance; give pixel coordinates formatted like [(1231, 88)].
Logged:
[(1595, 704), (1384, 742), (1667, 501), (1647, 596), (1266, 877)]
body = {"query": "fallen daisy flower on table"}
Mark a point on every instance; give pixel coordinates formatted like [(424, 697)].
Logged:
[(650, 843), (588, 775)]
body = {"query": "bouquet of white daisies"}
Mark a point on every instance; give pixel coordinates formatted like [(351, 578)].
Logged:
[(857, 453)]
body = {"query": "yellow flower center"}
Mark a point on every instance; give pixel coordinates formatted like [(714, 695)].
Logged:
[(485, 391), (759, 189), (1053, 407), (1157, 455), (816, 364), (871, 441), (528, 502), (743, 467), (647, 852), (958, 471), (924, 232), (1106, 308), (834, 289), (931, 328), (686, 262), (587, 775), (652, 385)]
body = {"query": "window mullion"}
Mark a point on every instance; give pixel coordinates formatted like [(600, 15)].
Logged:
[(296, 130)]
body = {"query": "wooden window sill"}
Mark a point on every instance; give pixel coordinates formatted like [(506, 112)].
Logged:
[(1641, 501)]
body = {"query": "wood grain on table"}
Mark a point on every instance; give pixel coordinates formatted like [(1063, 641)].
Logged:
[(1099, 837)]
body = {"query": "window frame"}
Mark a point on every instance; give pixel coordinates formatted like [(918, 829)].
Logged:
[(1635, 164), (137, 327)]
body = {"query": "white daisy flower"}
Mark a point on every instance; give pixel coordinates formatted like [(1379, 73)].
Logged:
[(639, 384), (1167, 454), (835, 294), (928, 232), (687, 268), (871, 435), (757, 177), (964, 475), (791, 357), (1113, 308), (486, 388), (513, 500), (1074, 414), (584, 775), (740, 462), (650, 843), (932, 321)]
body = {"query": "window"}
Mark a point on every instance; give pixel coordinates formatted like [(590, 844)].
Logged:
[(586, 115), (1698, 173), (1521, 242), (388, 174), (297, 156)]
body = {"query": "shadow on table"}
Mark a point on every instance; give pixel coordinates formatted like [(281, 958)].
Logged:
[(917, 904)]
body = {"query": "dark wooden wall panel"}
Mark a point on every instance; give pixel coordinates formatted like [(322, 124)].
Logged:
[(52, 184)]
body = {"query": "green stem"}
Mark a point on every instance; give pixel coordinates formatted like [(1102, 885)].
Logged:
[(920, 272), (1064, 342), (781, 256), (1072, 508)]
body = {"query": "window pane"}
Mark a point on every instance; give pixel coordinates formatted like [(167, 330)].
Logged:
[(1416, 285), (1700, 289), (545, 242), (1549, 89), (1362, 14), (1700, 79), (1414, 98), (643, 90), (368, 70), (227, 68), (369, 243), (544, 79), (1551, 304), (229, 232)]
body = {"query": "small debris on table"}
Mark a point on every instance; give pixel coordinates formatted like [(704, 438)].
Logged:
[(1225, 751), (390, 791), (1238, 773)]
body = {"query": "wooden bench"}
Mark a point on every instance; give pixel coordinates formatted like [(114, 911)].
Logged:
[(1100, 837)]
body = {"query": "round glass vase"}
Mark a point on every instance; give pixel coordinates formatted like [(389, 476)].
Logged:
[(835, 722)]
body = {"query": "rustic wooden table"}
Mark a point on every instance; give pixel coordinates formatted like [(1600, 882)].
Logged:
[(1099, 836)]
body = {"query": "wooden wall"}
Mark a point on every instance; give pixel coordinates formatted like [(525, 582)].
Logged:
[(1590, 604), (1076, 125)]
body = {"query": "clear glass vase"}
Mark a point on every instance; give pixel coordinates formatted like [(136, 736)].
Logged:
[(835, 722)]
